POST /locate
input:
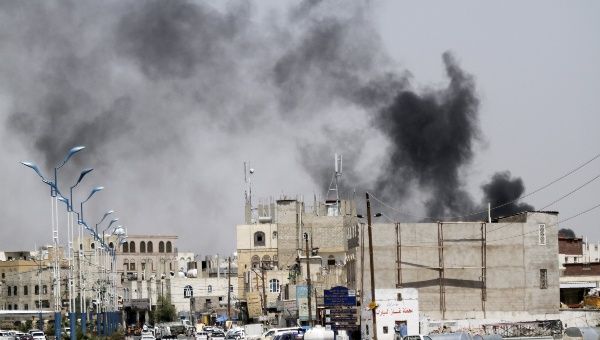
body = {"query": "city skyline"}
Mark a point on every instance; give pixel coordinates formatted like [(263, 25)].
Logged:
[(168, 114)]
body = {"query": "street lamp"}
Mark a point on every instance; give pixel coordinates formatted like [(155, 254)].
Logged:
[(95, 190), (70, 154), (55, 194)]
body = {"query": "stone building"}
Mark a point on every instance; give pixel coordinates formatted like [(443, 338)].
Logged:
[(271, 247)]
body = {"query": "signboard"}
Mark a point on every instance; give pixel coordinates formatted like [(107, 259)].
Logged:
[(302, 303), (254, 304), (138, 304), (188, 292), (340, 308), (339, 296)]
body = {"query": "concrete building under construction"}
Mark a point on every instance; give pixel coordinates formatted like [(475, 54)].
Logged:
[(504, 270)]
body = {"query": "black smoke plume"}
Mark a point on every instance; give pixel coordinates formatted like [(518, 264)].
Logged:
[(567, 232), (503, 193), (432, 136)]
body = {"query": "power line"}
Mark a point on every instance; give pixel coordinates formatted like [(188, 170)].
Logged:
[(570, 172)]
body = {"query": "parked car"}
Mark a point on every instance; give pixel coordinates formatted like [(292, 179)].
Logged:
[(237, 334), (38, 335), (147, 336), (201, 335), (24, 336), (217, 335)]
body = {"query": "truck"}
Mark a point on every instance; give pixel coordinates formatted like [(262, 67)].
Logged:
[(254, 331), (170, 330)]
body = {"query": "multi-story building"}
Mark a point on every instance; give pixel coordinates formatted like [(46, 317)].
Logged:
[(505, 270), (272, 244), (579, 263)]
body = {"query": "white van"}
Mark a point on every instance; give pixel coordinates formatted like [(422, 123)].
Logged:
[(269, 334)]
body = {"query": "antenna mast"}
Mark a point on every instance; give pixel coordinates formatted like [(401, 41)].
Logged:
[(250, 211), (334, 187)]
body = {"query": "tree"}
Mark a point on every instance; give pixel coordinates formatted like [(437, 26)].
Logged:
[(165, 311)]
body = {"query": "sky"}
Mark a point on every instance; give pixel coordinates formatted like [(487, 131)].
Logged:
[(436, 107)]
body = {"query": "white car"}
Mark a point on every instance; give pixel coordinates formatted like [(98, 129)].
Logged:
[(217, 335), (147, 336), (201, 336), (38, 336)]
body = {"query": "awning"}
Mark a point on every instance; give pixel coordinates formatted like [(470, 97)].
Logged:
[(578, 285), (221, 318)]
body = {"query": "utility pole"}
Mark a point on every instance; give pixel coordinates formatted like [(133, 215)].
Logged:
[(308, 283), (373, 304), (262, 271), (229, 288)]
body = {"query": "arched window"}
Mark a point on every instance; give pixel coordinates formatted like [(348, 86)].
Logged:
[(161, 247), (93, 246), (209, 288), (132, 247), (9, 307), (126, 265), (331, 260), (266, 260), (149, 247), (259, 239), (36, 290), (274, 286), (15, 306), (125, 247), (111, 245), (142, 247), (275, 261), (169, 249), (255, 261)]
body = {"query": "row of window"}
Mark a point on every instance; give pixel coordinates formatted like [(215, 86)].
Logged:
[(147, 247), (45, 304), (14, 290), (129, 265)]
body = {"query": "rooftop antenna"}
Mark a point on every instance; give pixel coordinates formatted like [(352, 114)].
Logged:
[(250, 211), (334, 206)]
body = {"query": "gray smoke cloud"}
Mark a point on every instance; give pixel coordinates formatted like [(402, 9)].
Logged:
[(170, 97)]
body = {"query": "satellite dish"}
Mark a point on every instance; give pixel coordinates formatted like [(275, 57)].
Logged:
[(251, 170)]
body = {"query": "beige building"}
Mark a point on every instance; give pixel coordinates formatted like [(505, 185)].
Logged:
[(271, 247)]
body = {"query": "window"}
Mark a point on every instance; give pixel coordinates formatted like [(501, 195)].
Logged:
[(274, 235), (399, 297), (161, 247), (543, 278), (26, 307), (111, 245), (45, 303), (274, 286), (142, 247), (259, 239), (331, 260), (542, 234), (169, 249), (209, 288), (15, 290), (143, 265), (36, 290), (132, 265), (44, 289), (231, 288), (126, 247), (25, 290), (125, 265), (132, 247), (93, 246), (149, 247), (385, 329), (9, 307), (275, 263), (9, 291), (3, 275), (255, 261), (266, 260)]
